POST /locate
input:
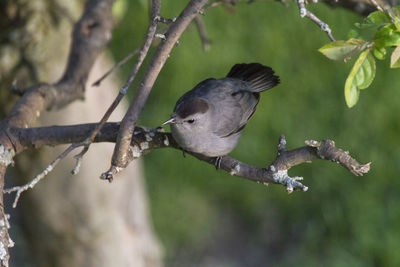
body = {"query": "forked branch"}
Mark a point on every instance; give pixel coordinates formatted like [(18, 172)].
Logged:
[(147, 139), (120, 157), (91, 34), (142, 53)]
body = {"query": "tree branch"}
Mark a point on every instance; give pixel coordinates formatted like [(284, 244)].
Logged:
[(205, 42), (120, 157), (362, 7), (308, 14), (5, 240), (147, 139), (116, 66), (40, 176), (151, 30), (91, 34)]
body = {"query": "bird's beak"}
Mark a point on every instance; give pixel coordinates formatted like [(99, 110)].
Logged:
[(171, 120)]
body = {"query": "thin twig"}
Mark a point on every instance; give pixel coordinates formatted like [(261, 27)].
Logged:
[(211, 5), (120, 157), (218, 3), (306, 13), (375, 4), (78, 159), (151, 30), (40, 176), (166, 20), (116, 66), (205, 42), (229, 3)]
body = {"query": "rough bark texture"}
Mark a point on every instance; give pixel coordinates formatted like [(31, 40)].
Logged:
[(81, 220), (90, 35), (120, 159), (147, 139), (78, 220)]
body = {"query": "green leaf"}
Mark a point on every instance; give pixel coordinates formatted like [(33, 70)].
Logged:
[(364, 25), (387, 36), (395, 58), (379, 53), (353, 34), (375, 19), (342, 50), (378, 17), (351, 95), (394, 13), (360, 77), (366, 72)]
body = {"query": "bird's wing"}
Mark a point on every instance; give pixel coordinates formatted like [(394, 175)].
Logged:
[(240, 91), (233, 108)]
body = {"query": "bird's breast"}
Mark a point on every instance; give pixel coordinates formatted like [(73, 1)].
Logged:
[(208, 144)]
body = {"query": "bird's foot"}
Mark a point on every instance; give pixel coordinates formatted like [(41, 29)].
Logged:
[(217, 162)]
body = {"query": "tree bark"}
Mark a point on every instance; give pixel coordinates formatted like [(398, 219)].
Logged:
[(78, 220), (81, 220)]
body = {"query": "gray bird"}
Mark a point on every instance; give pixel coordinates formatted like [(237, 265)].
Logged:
[(209, 118)]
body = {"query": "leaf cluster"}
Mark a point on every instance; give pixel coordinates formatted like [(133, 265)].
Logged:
[(385, 26)]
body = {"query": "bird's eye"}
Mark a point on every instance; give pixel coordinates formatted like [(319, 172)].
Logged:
[(190, 121)]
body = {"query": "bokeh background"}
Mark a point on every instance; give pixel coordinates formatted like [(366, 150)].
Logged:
[(205, 217)]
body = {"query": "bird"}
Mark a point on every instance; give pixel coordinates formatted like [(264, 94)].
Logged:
[(209, 119)]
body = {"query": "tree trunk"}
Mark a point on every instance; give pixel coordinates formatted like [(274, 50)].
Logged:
[(75, 220)]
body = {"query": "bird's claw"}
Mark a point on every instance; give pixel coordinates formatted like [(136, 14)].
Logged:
[(217, 163)]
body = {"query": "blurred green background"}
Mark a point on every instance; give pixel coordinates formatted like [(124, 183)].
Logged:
[(206, 217)]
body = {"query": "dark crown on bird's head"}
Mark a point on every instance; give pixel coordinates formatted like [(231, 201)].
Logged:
[(191, 106)]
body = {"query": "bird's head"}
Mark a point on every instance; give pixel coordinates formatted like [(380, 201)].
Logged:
[(190, 115)]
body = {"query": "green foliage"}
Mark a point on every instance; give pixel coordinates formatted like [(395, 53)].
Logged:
[(387, 36), (343, 50), (379, 53), (360, 77), (375, 19), (386, 27)]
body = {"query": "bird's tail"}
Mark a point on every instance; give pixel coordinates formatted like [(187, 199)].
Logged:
[(260, 77)]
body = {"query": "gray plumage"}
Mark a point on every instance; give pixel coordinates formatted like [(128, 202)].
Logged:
[(209, 118)]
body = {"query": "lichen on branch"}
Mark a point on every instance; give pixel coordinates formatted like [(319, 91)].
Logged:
[(145, 140)]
